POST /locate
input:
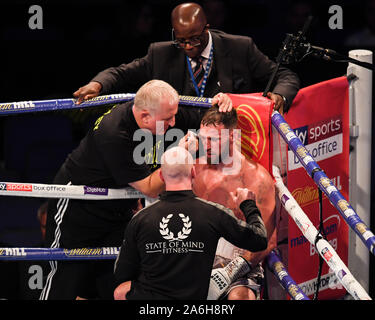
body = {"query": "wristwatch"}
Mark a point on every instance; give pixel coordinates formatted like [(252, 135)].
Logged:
[(285, 108), (285, 101)]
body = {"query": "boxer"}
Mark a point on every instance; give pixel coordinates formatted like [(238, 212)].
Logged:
[(220, 171)]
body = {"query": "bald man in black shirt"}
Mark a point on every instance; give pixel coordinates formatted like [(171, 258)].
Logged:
[(169, 246)]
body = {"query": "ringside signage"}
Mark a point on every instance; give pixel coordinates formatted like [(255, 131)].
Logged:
[(319, 116), (323, 140)]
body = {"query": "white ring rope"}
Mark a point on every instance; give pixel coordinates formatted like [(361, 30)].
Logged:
[(38, 190)]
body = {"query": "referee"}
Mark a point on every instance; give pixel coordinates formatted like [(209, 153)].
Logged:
[(169, 246)]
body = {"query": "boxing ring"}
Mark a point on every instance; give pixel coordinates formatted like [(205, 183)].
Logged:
[(273, 261)]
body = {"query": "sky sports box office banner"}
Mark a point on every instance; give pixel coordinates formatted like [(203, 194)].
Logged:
[(320, 118)]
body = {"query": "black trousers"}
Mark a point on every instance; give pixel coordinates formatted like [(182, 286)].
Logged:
[(83, 224)]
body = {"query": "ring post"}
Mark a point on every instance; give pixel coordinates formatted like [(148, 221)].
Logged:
[(360, 109)]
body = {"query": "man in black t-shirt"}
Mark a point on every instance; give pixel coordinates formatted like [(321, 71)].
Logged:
[(169, 246), (107, 158)]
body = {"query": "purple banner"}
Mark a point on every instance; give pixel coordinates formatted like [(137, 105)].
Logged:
[(96, 191)]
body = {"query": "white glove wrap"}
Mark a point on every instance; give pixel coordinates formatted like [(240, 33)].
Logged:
[(221, 278)]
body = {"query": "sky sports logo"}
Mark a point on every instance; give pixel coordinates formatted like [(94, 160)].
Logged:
[(323, 140), (15, 187)]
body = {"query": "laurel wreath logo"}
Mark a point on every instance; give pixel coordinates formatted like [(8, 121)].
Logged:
[(169, 235)]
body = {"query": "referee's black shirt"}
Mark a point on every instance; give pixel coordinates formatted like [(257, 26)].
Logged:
[(169, 246)]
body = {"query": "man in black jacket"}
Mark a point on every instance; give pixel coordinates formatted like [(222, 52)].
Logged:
[(199, 62), (169, 246), (107, 158)]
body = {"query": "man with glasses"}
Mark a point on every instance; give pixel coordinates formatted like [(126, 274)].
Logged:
[(199, 61)]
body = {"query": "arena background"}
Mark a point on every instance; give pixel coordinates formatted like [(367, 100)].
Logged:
[(79, 39)]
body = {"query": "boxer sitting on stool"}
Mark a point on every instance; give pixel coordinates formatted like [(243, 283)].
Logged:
[(220, 171)]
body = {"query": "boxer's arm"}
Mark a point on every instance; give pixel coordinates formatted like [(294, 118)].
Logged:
[(261, 182)]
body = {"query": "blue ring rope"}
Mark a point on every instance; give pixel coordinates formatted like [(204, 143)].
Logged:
[(15, 254), (275, 264), (9, 108)]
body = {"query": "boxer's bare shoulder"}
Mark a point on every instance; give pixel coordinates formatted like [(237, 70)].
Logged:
[(259, 180)]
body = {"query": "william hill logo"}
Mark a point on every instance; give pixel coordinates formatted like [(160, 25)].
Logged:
[(306, 195), (91, 251)]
